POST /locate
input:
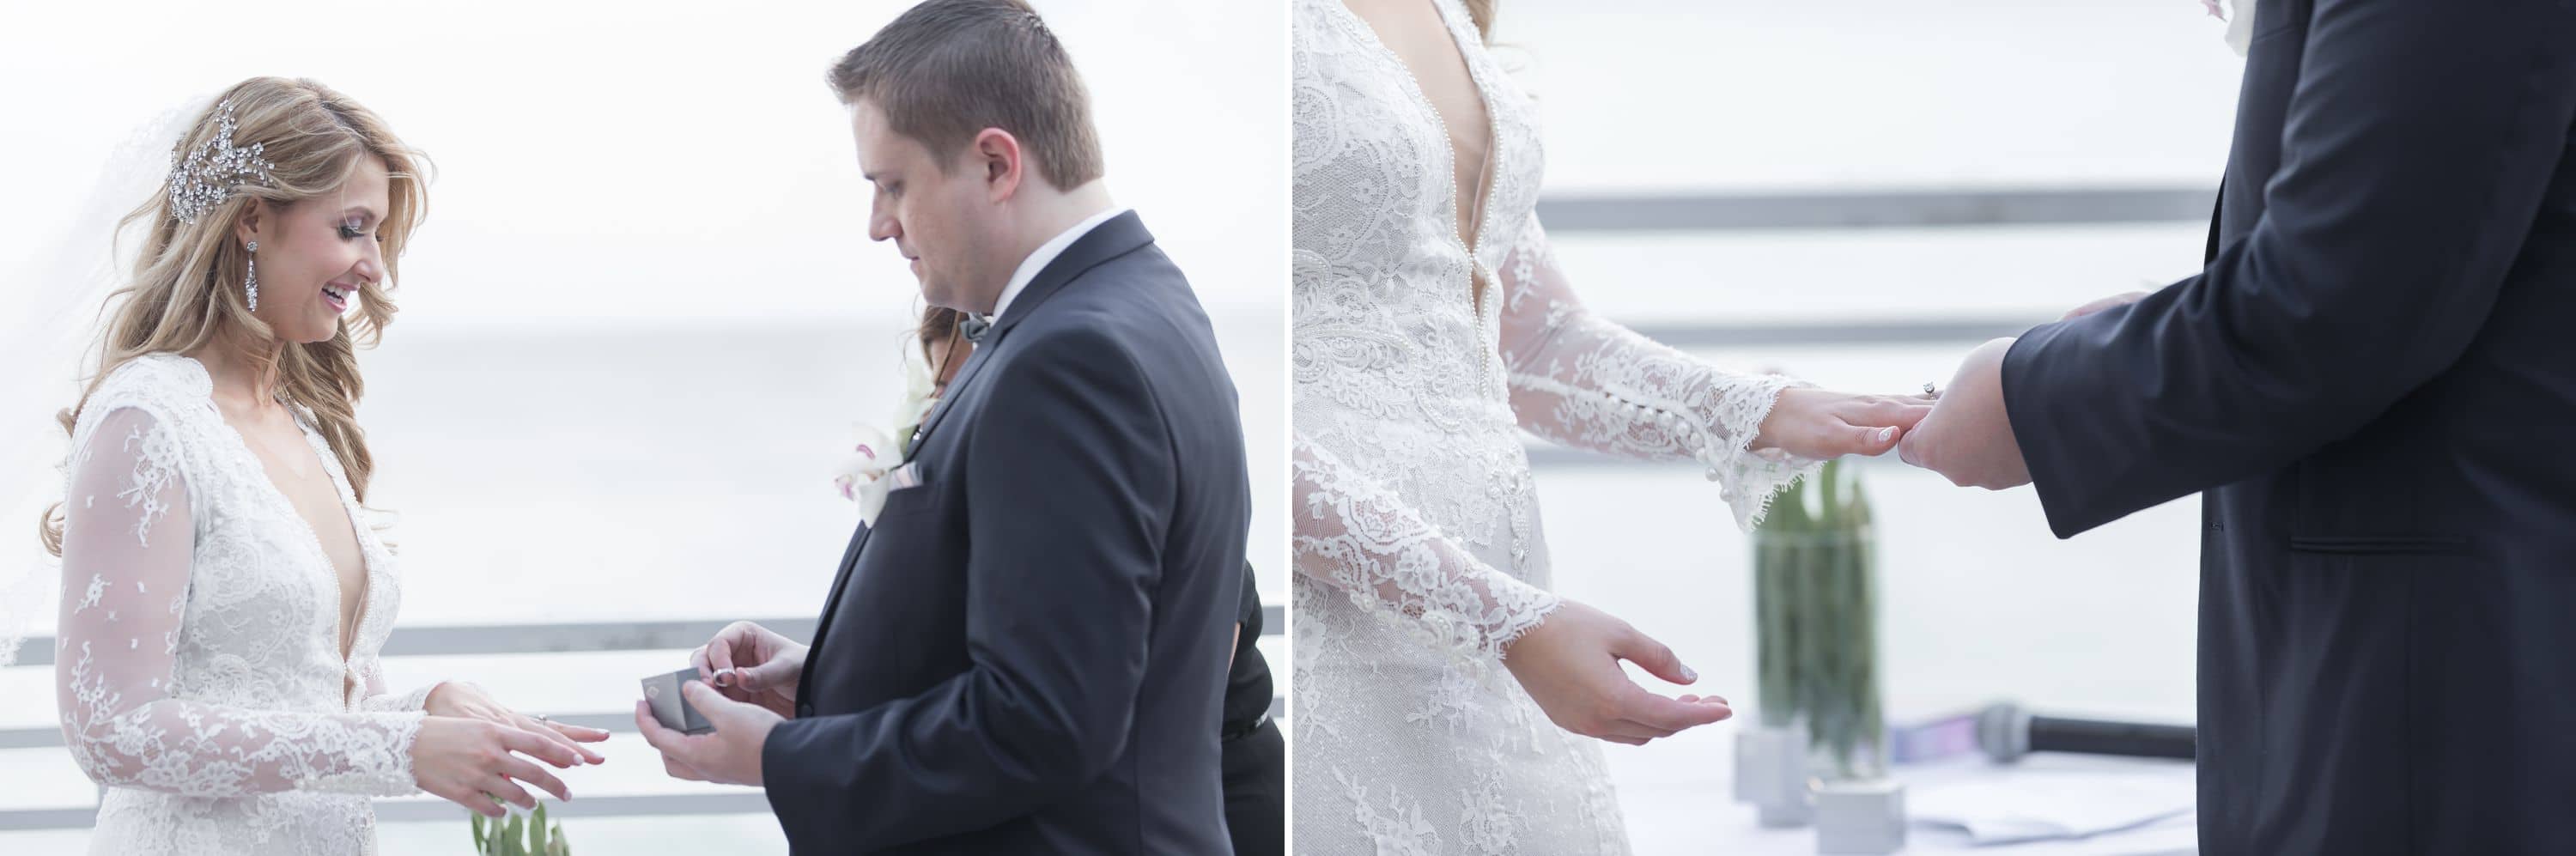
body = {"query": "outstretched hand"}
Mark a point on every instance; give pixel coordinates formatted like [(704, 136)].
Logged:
[(1821, 425), (1968, 438), (1569, 664), (469, 701)]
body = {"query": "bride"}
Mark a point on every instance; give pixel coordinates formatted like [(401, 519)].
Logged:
[(224, 598), (1431, 327)]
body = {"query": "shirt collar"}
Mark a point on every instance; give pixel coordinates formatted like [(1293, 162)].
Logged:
[(1045, 253)]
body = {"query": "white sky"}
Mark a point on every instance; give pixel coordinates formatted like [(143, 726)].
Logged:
[(659, 160)]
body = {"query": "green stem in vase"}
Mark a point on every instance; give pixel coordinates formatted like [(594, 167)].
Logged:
[(1816, 622)]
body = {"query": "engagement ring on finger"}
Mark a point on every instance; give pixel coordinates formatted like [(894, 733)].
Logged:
[(1930, 390), (542, 718)]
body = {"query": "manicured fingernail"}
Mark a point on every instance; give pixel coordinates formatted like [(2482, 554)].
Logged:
[(1887, 433), (1688, 674)]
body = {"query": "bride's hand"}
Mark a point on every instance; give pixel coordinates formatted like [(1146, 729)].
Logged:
[(1569, 664), (476, 764), (1820, 425), (468, 701)]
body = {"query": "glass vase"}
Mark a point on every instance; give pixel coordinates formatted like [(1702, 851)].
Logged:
[(1816, 624)]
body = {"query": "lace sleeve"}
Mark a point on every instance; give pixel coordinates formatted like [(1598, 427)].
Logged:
[(1583, 381), (128, 542), (377, 699), (1358, 538)]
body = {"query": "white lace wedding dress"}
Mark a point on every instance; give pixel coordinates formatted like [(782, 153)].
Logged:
[(198, 658), (1417, 537)]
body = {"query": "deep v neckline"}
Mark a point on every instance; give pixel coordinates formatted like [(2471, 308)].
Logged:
[(346, 642), (1470, 243)]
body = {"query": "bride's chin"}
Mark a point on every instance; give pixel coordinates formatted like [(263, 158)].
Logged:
[(311, 332)]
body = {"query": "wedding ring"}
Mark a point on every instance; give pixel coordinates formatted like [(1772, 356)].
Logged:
[(1930, 390), (542, 718)]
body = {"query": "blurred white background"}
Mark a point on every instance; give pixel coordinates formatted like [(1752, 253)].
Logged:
[(641, 320)]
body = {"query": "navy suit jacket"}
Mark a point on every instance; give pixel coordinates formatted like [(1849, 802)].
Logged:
[(2374, 379), (1027, 651)]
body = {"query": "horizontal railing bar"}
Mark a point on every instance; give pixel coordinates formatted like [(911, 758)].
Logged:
[(622, 721), (631, 805), (1543, 456), (32, 819), (1838, 333), (459, 640), (1873, 209), (430, 811)]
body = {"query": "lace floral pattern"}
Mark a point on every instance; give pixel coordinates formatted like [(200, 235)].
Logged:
[(1579, 380), (1419, 550), (201, 679)]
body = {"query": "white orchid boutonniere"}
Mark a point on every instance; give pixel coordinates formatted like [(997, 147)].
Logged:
[(860, 476), (2240, 26)]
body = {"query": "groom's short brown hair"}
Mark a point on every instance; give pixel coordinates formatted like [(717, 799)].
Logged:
[(947, 69)]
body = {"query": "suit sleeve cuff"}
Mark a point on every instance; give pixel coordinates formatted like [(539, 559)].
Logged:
[(2033, 389), (786, 781)]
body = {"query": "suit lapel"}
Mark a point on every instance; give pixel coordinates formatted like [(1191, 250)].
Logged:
[(832, 601), (1114, 237), (956, 389), (2209, 253)]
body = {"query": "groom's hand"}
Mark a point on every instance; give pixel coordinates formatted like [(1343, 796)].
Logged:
[(730, 755), (1968, 438), (750, 663)]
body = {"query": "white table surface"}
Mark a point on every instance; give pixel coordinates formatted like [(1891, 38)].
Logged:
[(1680, 800)]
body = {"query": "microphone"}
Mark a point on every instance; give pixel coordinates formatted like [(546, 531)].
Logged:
[(2006, 732)]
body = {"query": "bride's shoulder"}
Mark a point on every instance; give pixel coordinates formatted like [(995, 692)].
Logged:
[(1314, 17), (156, 375), (159, 384)]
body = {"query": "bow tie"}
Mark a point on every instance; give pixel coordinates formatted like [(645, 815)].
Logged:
[(973, 328)]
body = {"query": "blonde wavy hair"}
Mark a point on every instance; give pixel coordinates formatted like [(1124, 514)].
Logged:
[(186, 288)]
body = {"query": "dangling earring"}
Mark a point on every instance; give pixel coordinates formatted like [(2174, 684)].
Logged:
[(250, 278)]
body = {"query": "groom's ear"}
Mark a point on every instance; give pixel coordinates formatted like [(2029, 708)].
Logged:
[(998, 156)]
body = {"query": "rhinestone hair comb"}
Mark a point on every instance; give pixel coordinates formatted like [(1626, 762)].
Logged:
[(213, 169)]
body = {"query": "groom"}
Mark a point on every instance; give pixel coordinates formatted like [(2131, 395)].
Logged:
[(2374, 380), (1027, 651)]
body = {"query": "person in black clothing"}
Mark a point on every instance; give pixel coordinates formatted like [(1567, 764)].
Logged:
[(1255, 754)]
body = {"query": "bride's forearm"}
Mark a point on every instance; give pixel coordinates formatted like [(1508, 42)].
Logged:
[(205, 750)]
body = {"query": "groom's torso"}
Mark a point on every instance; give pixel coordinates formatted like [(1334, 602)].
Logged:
[(897, 621), (2386, 623)]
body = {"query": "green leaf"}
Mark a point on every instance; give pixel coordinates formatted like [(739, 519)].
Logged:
[(479, 847), (559, 847)]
